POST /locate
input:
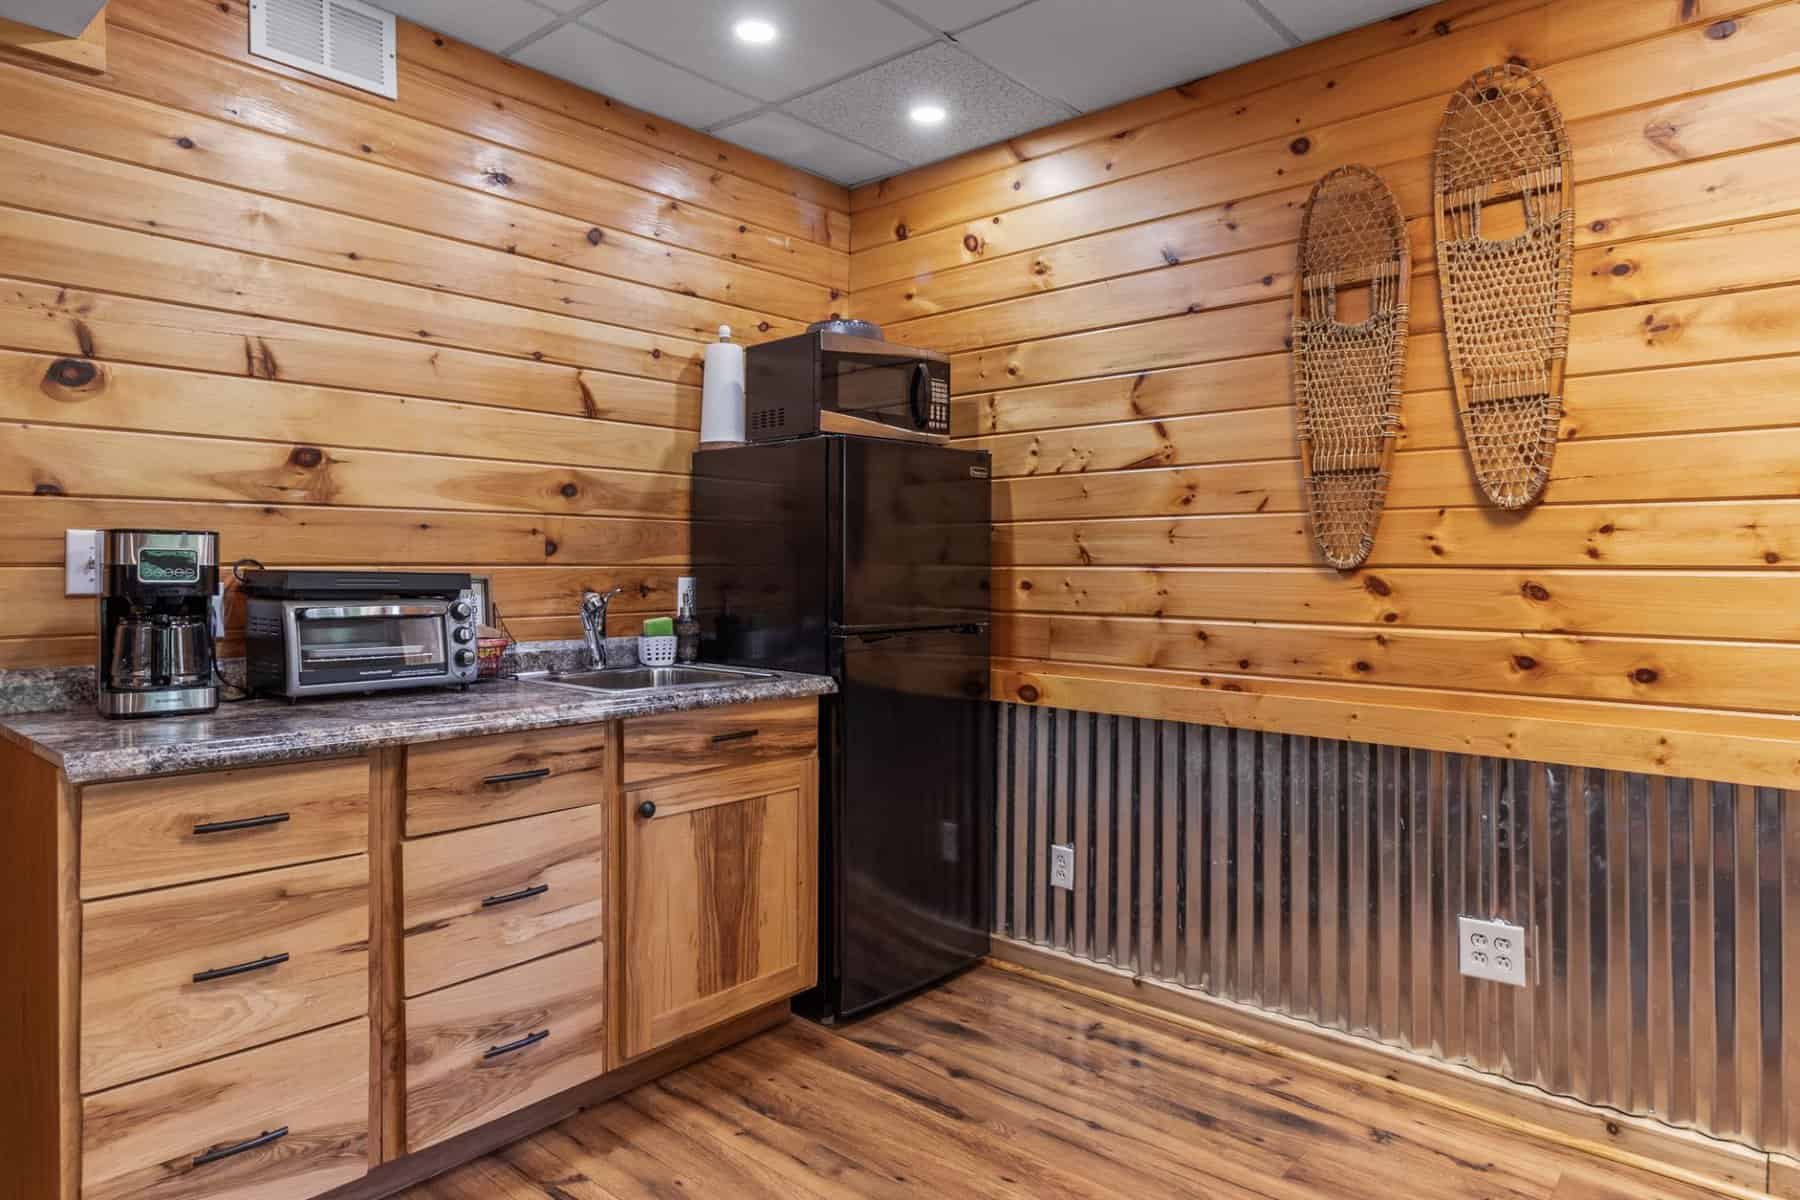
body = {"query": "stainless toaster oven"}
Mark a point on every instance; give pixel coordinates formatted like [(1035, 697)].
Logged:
[(830, 381), (323, 633)]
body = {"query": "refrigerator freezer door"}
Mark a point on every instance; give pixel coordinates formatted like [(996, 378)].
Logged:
[(912, 827), (915, 531), (762, 553)]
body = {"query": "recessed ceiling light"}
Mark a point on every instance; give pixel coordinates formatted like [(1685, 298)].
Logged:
[(755, 31), (928, 114)]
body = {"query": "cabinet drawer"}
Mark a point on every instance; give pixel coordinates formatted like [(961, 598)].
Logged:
[(283, 1122), (178, 976), (485, 1048), (708, 738), (182, 828), (481, 899), (472, 781)]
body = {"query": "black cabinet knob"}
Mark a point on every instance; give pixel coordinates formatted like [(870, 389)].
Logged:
[(647, 809)]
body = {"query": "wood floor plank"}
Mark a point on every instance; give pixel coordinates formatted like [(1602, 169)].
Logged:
[(775, 1128), (1047, 1153), (666, 1132), (1107, 1145), (999, 1086)]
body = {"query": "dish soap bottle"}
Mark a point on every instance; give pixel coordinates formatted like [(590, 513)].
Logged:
[(687, 624)]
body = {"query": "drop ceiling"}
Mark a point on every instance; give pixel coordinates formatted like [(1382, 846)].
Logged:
[(832, 93)]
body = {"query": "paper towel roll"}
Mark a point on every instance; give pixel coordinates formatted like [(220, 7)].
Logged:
[(722, 393)]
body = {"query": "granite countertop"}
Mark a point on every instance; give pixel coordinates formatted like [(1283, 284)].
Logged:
[(91, 749)]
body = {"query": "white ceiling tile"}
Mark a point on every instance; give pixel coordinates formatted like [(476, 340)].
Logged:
[(1091, 53), (67, 17), (1312, 19), (782, 137), (952, 15), (600, 64), (817, 40), (984, 106), (490, 24)]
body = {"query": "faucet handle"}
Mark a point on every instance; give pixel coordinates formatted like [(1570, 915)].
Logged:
[(592, 601)]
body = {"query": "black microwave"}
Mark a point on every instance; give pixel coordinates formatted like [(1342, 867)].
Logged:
[(824, 381)]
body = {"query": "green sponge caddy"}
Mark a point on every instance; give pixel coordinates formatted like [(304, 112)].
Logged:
[(656, 648)]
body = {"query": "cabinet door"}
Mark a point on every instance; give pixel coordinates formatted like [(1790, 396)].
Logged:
[(720, 898)]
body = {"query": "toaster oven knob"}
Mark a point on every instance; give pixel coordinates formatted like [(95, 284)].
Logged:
[(462, 633), (462, 610), (465, 658)]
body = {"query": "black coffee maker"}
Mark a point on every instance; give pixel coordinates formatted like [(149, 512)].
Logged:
[(156, 643)]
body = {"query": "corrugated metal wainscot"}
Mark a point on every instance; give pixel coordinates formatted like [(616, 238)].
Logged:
[(1323, 879)]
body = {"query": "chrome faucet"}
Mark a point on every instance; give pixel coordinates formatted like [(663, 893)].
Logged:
[(593, 620)]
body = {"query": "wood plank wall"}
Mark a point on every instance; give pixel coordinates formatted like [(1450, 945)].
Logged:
[(1114, 293), (460, 329)]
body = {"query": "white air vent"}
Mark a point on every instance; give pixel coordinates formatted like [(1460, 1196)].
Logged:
[(344, 40)]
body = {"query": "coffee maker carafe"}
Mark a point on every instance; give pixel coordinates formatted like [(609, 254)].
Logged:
[(156, 645)]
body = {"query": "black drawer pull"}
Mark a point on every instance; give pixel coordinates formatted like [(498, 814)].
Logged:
[(516, 777), (274, 960), (242, 823), (264, 1139), (524, 893), (647, 809), (530, 1039), (736, 735)]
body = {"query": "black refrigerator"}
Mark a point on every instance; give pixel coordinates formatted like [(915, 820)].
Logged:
[(867, 559)]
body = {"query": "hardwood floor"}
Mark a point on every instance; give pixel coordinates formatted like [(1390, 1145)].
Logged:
[(995, 1085)]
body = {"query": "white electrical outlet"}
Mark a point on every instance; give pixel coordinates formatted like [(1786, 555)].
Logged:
[(1491, 950), (1062, 867), (81, 562)]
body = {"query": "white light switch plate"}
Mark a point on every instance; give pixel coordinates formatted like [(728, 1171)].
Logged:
[(1491, 950), (81, 562)]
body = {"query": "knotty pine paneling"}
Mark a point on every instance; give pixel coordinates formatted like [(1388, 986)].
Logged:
[(458, 329), (1115, 295)]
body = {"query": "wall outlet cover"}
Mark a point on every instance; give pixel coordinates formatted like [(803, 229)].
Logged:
[(1492, 950), (949, 841), (1062, 867), (81, 562)]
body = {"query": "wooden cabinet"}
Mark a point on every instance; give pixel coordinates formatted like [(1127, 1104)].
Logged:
[(481, 899), (284, 1122), (718, 898), (181, 828), (173, 977), (480, 1050), (710, 739), (475, 781), (262, 984)]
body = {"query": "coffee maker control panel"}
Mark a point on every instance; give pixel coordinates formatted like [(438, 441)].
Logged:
[(168, 564)]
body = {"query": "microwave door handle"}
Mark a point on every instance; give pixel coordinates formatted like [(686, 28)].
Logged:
[(918, 395)]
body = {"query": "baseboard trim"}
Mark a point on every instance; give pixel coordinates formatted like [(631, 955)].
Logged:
[(1678, 1154)]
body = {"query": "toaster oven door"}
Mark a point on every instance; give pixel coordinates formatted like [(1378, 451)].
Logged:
[(346, 647)]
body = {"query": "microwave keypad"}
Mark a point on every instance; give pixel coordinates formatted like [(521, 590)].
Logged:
[(938, 418)]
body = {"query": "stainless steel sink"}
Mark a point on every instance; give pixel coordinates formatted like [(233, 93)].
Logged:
[(645, 679)]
